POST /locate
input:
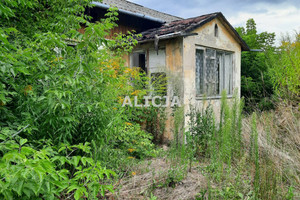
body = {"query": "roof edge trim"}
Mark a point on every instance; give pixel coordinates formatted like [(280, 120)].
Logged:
[(104, 6), (169, 36)]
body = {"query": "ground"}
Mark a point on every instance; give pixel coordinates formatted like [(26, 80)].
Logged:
[(154, 177)]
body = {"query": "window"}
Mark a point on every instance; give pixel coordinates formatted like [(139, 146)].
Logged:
[(138, 59), (216, 30), (214, 72), (156, 60)]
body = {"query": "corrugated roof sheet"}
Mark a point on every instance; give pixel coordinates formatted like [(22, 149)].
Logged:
[(176, 26), (136, 8), (185, 26)]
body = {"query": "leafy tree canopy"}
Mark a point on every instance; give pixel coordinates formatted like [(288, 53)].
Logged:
[(256, 85)]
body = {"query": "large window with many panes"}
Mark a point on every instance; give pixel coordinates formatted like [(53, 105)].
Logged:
[(214, 72)]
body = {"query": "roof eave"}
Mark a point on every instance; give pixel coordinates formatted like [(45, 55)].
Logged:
[(170, 36)]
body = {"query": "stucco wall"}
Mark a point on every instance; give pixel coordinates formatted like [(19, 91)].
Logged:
[(206, 38)]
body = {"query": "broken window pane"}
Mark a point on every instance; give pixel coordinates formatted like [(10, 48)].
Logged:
[(199, 71), (228, 73), (214, 72), (211, 78)]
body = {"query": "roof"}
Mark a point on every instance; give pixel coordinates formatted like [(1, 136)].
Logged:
[(183, 27), (136, 8)]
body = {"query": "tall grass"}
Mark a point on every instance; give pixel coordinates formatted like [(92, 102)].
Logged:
[(279, 154), (227, 140), (255, 157)]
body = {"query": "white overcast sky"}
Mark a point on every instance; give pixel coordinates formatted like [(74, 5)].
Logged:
[(279, 16)]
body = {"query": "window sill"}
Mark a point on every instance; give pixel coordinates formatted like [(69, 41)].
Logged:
[(212, 97)]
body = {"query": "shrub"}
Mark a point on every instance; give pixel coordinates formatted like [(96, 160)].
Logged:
[(135, 141), (50, 172)]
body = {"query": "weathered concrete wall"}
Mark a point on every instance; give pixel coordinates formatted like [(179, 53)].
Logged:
[(206, 38), (172, 52), (174, 66)]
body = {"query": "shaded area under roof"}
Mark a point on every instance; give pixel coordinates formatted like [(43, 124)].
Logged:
[(185, 26), (130, 20)]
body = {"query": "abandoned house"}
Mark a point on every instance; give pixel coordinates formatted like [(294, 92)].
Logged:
[(201, 55)]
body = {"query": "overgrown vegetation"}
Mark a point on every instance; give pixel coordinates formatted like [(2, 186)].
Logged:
[(61, 96), (284, 68), (268, 72), (256, 85), (241, 160), (231, 156), (64, 133), (51, 172)]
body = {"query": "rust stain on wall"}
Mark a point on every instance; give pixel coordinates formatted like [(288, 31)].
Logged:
[(174, 64), (174, 55)]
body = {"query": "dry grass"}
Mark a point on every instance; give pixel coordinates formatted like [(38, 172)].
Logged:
[(279, 147), (151, 178), (279, 141)]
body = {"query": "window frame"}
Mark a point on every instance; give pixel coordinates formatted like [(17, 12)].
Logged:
[(221, 72), (141, 51)]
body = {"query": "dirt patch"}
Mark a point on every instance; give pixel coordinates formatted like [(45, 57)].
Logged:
[(188, 188), (153, 178)]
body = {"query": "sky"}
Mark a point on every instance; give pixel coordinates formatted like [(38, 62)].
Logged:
[(279, 16)]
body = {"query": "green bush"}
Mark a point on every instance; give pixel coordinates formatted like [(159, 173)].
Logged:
[(135, 141), (50, 172)]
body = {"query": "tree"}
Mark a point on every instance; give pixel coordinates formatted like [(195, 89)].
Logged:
[(59, 94), (256, 85), (64, 92)]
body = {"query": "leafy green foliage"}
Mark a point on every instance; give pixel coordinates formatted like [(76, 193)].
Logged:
[(284, 68), (59, 85), (134, 140), (65, 93), (50, 172), (256, 86)]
